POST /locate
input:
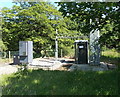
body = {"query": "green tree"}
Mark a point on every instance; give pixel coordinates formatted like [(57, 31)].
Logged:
[(37, 23), (103, 14), (2, 46)]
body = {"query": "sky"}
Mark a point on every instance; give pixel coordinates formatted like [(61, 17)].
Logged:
[(6, 4), (9, 4)]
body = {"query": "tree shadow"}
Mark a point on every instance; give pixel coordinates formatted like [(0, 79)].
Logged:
[(39, 82), (111, 60)]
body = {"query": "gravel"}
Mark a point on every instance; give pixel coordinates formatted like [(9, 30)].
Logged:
[(8, 69)]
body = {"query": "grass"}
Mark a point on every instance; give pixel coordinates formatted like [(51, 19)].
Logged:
[(111, 56), (39, 82), (5, 60)]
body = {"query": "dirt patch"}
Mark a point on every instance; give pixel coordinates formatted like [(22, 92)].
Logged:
[(8, 69)]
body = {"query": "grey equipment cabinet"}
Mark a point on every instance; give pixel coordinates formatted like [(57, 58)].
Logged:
[(16, 59), (81, 51), (26, 52)]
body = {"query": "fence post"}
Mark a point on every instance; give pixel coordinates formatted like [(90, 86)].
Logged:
[(9, 56), (56, 46), (61, 53)]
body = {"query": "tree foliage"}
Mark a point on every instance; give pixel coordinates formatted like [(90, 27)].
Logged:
[(2, 46), (36, 22), (104, 15)]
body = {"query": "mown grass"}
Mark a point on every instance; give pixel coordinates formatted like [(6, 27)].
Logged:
[(39, 82), (111, 56)]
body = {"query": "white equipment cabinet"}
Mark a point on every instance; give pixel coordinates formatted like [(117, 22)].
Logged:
[(26, 52)]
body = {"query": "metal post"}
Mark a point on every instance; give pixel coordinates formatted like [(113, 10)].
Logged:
[(94, 45), (56, 46), (9, 56), (61, 53)]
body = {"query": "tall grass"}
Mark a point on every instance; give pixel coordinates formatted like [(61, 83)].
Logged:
[(6, 60), (111, 56), (39, 82), (3, 60), (111, 53)]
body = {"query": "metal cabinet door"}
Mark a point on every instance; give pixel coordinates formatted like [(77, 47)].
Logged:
[(82, 53), (23, 48)]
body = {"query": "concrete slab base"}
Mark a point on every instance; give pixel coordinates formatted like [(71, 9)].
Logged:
[(45, 64), (87, 67)]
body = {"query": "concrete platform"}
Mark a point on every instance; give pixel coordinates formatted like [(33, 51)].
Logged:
[(45, 64), (87, 67)]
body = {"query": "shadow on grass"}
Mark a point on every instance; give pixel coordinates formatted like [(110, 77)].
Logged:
[(112, 60), (39, 82)]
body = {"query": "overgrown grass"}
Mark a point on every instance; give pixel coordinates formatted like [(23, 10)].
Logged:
[(111, 56), (111, 53), (3, 79), (5, 60), (39, 82)]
